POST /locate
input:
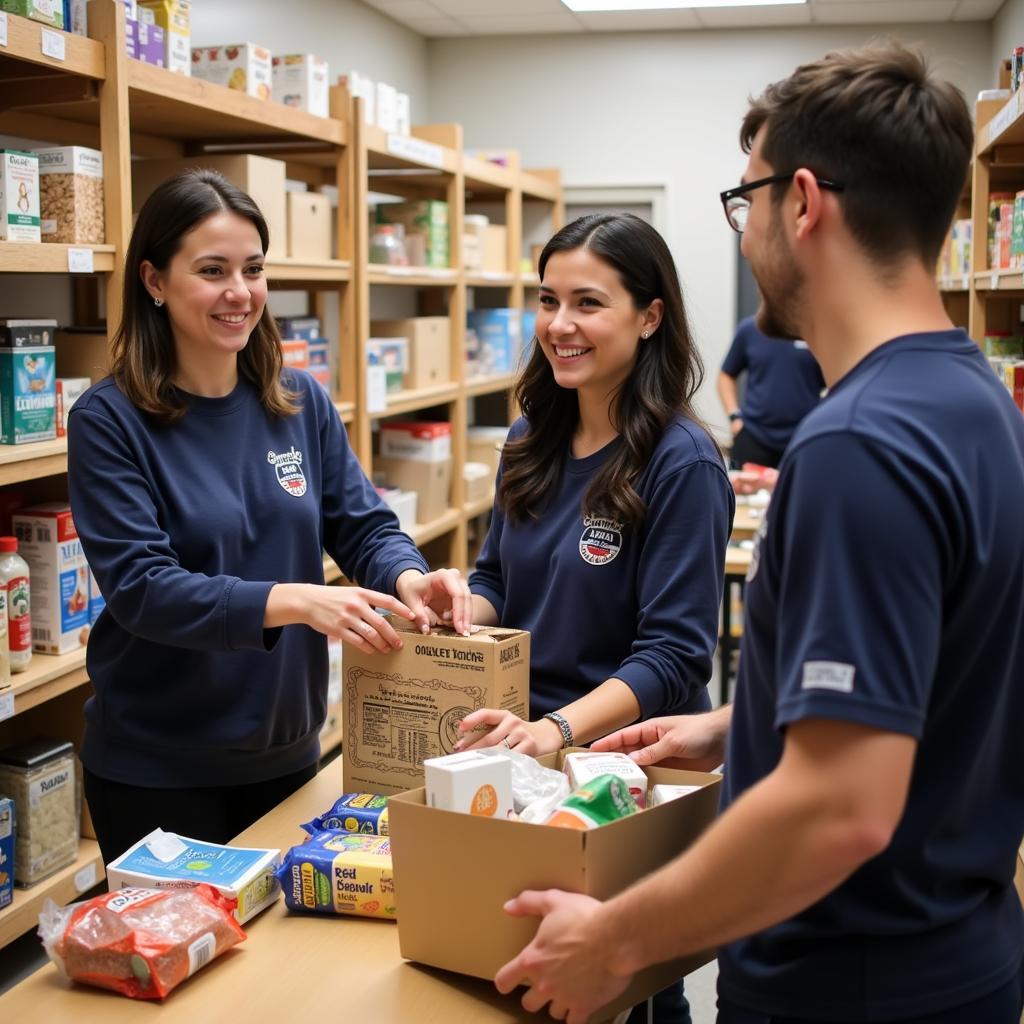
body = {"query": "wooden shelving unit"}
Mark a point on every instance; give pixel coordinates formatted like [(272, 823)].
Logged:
[(98, 97)]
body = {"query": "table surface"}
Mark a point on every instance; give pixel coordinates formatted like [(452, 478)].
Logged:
[(292, 966)]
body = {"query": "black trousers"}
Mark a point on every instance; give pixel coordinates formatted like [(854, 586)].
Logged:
[(745, 448), (670, 1007), (123, 814)]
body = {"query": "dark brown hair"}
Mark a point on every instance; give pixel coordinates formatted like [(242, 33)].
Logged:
[(660, 386), (876, 120), (143, 358)]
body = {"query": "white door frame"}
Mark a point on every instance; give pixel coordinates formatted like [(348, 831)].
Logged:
[(654, 194)]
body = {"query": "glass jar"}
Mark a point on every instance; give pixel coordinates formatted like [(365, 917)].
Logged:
[(387, 245)]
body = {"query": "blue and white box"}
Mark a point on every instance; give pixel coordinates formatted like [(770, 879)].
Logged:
[(7, 827), (499, 335)]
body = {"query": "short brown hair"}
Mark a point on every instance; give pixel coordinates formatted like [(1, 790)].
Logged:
[(877, 121), (142, 352)]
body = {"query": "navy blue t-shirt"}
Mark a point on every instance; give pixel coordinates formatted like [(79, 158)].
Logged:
[(888, 590), (783, 383), (600, 601), (187, 526)]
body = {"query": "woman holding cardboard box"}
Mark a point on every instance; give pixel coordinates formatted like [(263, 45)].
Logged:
[(205, 483)]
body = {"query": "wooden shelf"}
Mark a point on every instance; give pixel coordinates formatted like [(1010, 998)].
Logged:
[(999, 280), (1006, 128), (82, 56), (531, 280), (301, 271), (737, 561), (489, 385), (422, 533), (50, 257), (484, 178), (331, 570), (490, 279), (401, 402), (68, 884), (412, 276), (346, 410), (20, 462), (399, 152), (472, 509), (956, 284), (48, 676), (535, 187)]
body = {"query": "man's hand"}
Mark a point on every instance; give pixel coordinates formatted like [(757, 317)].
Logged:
[(693, 743)]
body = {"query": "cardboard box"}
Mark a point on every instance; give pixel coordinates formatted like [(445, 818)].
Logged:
[(49, 12), (423, 440), (28, 395), (82, 353), (295, 353), (498, 333), (425, 219), (16, 333), (430, 350), (488, 861), (404, 707), (48, 541), (245, 67), (361, 87), (150, 43), (69, 390), (175, 18), (402, 503), (7, 820), (387, 107), (71, 195), (432, 482), (309, 226), (477, 480), (484, 444), (495, 249), (259, 176), (392, 354), (302, 81), (19, 196)]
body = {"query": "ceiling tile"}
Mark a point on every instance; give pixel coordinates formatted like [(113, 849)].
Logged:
[(976, 10), (753, 17), (890, 12), (402, 9), (519, 24), (646, 21), (496, 8), (434, 28)]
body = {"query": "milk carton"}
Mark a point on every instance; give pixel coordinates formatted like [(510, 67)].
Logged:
[(302, 81), (28, 395), (586, 766), (19, 196), (470, 783), (48, 541)]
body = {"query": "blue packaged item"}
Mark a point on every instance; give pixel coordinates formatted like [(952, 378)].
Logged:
[(353, 812), (293, 328), (529, 326), (499, 337), (7, 825)]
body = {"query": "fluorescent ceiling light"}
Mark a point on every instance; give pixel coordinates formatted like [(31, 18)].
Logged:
[(581, 6)]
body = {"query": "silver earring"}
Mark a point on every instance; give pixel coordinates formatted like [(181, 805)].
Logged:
[(159, 302), (645, 335)]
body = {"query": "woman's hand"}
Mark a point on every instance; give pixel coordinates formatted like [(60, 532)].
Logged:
[(690, 742), (430, 596), (509, 731)]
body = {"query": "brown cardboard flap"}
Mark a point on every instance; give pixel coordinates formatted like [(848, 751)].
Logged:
[(484, 634)]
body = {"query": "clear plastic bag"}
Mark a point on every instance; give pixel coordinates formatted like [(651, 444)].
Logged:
[(536, 790)]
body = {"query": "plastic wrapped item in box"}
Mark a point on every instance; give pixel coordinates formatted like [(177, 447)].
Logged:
[(39, 776)]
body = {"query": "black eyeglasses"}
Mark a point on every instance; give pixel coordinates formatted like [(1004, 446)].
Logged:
[(736, 201)]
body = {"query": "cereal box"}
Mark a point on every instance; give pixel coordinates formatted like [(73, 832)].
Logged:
[(48, 541), (19, 196), (242, 66), (28, 395), (49, 12), (302, 81), (71, 195)]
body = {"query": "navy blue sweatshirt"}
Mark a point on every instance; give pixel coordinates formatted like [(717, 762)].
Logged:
[(187, 526), (600, 601)]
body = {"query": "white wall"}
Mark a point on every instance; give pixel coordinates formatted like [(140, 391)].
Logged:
[(346, 33), (1007, 31), (644, 108)]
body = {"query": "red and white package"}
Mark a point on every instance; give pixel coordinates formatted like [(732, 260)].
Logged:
[(139, 942)]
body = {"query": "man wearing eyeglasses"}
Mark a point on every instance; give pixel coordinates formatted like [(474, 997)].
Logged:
[(861, 868)]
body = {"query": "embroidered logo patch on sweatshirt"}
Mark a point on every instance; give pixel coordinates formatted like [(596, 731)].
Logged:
[(601, 540), (288, 467)]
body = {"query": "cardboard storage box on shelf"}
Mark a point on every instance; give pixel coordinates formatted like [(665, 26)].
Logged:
[(175, 18), (488, 861), (425, 220), (477, 480), (244, 67), (49, 12), (402, 503), (28, 395), (494, 258), (71, 195), (309, 226), (259, 176), (429, 340), (19, 196), (403, 707), (483, 444), (474, 227), (424, 440), (432, 482), (48, 541), (81, 352), (302, 81)]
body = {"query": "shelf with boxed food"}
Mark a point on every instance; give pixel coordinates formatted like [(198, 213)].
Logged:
[(48, 676), (489, 279), (81, 56), (393, 151), (484, 178), (421, 398), (55, 258), (955, 283), (537, 185), (423, 533), (999, 280), (418, 277), (33, 461), (66, 885)]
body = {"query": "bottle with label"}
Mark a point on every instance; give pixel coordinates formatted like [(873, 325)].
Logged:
[(14, 579)]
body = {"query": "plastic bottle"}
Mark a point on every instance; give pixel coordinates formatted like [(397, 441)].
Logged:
[(14, 578)]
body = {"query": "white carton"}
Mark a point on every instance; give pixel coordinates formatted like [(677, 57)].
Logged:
[(387, 107), (362, 87), (242, 66), (586, 766), (403, 113), (163, 860), (69, 390), (48, 541), (420, 440), (19, 196), (662, 793), (470, 783), (302, 81)]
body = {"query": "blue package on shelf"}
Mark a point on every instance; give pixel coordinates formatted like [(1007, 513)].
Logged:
[(6, 850), (499, 340), (306, 328), (318, 354), (529, 326)]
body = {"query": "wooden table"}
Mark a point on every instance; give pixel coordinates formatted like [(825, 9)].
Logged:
[(746, 522), (292, 967)]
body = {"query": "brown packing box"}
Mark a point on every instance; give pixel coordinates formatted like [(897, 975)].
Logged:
[(430, 352), (82, 353), (484, 444), (432, 481), (405, 706), (487, 861), (309, 226), (259, 176), (495, 251)]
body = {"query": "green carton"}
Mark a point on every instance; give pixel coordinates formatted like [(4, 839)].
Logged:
[(28, 395)]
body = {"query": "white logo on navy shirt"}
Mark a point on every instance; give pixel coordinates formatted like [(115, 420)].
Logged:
[(288, 467), (601, 540), (828, 675)]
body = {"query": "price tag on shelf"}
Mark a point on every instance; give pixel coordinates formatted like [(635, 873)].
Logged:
[(401, 271), (994, 282), (80, 261), (52, 43), (3, 29), (376, 389), (6, 705), (86, 878), (417, 150)]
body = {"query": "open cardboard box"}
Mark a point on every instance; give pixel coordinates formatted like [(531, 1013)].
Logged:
[(453, 873)]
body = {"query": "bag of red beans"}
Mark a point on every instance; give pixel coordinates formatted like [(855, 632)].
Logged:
[(139, 942)]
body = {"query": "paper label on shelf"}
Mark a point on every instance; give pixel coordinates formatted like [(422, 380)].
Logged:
[(410, 148), (86, 878), (80, 261), (995, 280), (52, 43), (376, 389), (401, 271), (3, 29), (6, 705)]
